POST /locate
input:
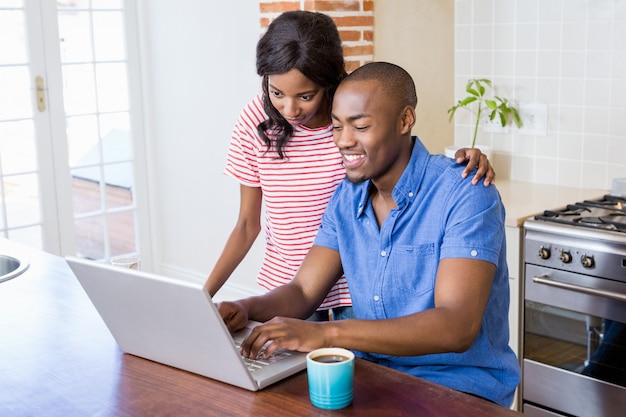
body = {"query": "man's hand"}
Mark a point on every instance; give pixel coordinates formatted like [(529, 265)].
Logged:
[(476, 159), (284, 333)]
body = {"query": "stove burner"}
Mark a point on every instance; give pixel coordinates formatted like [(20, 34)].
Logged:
[(607, 213), (611, 202), (590, 220), (612, 221), (570, 210)]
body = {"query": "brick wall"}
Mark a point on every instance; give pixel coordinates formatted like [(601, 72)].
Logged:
[(354, 19)]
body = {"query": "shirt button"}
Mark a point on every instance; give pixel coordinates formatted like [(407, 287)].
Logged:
[(474, 252), (383, 253), (411, 194), (376, 298)]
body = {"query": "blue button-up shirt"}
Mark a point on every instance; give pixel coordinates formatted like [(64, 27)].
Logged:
[(391, 270)]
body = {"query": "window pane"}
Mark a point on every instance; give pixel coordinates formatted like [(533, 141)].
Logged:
[(75, 36), (15, 93), (112, 87), (17, 147), (13, 44), (21, 194), (109, 36), (3, 225), (85, 192), (72, 4), (11, 3), (117, 197), (90, 237), (31, 236), (122, 232), (116, 142), (119, 175), (79, 89), (106, 4), (82, 140)]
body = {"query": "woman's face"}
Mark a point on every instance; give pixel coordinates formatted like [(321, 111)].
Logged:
[(298, 99)]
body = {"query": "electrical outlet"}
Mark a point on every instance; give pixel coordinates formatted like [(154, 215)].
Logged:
[(534, 119), (494, 126)]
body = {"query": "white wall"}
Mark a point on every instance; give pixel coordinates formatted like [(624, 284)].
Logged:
[(199, 66), (568, 54), (419, 36)]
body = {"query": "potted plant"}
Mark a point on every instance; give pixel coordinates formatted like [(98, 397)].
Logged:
[(483, 108)]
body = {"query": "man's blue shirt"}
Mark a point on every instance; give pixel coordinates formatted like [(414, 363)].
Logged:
[(391, 270)]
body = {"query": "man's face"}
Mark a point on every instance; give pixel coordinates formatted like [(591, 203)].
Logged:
[(366, 129)]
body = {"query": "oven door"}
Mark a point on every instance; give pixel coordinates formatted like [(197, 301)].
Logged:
[(574, 344)]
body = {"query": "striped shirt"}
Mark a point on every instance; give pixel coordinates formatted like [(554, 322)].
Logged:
[(296, 190)]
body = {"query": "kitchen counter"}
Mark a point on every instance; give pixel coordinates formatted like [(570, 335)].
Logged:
[(57, 358), (523, 199)]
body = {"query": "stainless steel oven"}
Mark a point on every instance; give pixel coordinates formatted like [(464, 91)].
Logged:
[(574, 321)]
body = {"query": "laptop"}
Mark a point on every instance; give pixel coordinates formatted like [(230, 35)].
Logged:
[(176, 323)]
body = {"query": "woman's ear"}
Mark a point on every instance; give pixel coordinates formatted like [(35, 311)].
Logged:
[(408, 120)]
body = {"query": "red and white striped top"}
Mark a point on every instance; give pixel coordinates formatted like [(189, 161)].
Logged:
[(296, 190)]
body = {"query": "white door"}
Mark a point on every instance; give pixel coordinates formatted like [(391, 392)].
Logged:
[(68, 164)]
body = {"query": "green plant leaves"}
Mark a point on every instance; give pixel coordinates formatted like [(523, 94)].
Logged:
[(498, 107), (476, 87)]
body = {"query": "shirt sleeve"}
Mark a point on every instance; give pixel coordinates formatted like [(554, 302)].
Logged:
[(474, 224), (243, 150)]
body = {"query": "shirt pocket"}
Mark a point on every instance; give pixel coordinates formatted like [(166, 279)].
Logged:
[(413, 268)]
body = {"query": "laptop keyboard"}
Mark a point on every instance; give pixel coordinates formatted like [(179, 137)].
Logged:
[(260, 362), (256, 364)]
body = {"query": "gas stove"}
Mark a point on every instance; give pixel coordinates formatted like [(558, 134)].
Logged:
[(607, 213), (574, 338), (587, 237)]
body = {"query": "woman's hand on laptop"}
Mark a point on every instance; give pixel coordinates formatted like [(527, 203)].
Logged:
[(284, 333), (234, 314)]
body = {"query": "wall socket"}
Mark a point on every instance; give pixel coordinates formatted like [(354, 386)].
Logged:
[(494, 126), (534, 119)]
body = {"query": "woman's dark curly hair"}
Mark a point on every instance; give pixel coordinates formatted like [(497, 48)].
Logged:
[(308, 42)]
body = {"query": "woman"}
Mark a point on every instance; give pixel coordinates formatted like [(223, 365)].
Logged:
[(282, 151)]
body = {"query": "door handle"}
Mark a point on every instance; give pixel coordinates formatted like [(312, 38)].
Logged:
[(578, 288), (40, 94)]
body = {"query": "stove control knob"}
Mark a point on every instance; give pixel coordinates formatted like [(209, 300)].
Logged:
[(566, 257), (544, 253), (587, 261)]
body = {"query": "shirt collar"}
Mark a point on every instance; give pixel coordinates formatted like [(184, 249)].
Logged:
[(409, 183)]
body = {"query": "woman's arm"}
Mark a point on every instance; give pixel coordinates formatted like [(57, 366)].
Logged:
[(241, 238)]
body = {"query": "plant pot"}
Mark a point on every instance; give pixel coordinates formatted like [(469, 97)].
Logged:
[(451, 150)]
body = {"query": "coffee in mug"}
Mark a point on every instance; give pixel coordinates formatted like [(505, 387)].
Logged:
[(330, 358), (330, 372)]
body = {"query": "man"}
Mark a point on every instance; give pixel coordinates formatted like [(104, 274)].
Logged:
[(424, 256)]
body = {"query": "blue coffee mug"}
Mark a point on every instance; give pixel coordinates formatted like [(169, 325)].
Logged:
[(331, 377)]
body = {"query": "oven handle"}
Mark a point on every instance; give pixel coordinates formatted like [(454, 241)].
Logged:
[(543, 279)]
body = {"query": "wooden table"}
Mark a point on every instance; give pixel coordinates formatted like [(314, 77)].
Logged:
[(58, 359)]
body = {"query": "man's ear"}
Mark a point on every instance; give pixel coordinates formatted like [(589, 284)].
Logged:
[(408, 120)]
